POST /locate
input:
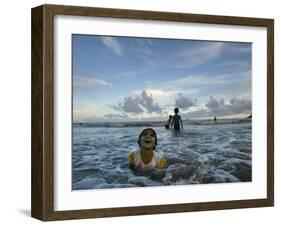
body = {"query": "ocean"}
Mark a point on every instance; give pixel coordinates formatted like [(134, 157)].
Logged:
[(206, 151)]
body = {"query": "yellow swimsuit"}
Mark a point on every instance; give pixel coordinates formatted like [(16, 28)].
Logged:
[(158, 161)]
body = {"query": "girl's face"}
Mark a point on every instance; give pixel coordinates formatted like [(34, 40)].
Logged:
[(147, 140)]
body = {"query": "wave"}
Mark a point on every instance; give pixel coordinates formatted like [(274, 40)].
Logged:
[(161, 123), (198, 155), (219, 121)]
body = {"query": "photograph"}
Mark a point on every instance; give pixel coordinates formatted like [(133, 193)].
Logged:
[(159, 112), (138, 112)]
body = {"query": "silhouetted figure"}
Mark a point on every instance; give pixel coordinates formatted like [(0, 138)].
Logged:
[(176, 122), (215, 119), (168, 123)]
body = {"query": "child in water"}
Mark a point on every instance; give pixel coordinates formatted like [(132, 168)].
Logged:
[(168, 123), (146, 157), (176, 122)]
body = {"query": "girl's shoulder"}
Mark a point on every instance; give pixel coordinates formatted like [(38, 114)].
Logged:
[(132, 155)]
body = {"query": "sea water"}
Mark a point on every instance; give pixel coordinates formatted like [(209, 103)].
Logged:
[(204, 152)]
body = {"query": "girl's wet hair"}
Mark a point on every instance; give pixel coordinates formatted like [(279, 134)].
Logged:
[(154, 133), (176, 110)]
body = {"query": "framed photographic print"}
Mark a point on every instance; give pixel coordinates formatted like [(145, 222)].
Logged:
[(141, 112)]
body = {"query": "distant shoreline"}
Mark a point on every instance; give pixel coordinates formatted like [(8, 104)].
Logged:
[(161, 123), (218, 118)]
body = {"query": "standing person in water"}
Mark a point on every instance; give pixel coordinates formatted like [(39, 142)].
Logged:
[(176, 122), (168, 123), (146, 157)]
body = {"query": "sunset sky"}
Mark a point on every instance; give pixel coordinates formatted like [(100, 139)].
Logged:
[(128, 78)]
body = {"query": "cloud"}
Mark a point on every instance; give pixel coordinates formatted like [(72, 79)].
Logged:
[(184, 102), (140, 104), (143, 49), (191, 81), (202, 112), (116, 116), (167, 92), (113, 44), (240, 105), (148, 103), (245, 48), (84, 111), (236, 106), (199, 55), (82, 82), (207, 52), (213, 103), (160, 95), (214, 107), (245, 65), (130, 105), (230, 84)]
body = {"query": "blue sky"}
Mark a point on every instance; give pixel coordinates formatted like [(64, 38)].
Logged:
[(128, 78)]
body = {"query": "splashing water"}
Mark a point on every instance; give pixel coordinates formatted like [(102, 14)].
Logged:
[(201, 153)]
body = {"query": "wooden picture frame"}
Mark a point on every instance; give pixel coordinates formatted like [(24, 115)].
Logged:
[(42, 205)]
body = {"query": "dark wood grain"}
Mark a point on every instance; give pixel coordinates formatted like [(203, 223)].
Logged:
[(37, 158), (155, 15), (48, 111), (270, 111), (158, 209), (43, 111)]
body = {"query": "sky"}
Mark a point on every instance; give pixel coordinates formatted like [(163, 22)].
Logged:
[(132, 78)]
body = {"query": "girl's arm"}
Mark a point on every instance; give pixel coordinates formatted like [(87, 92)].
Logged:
[(161, 163)]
